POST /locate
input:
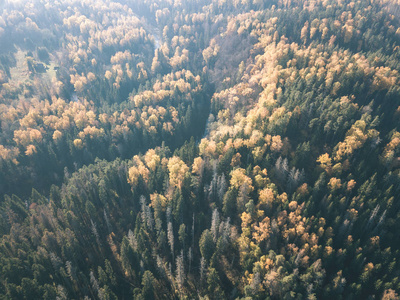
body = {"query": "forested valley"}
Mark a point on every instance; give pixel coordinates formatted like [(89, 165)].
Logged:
[(199, 149)]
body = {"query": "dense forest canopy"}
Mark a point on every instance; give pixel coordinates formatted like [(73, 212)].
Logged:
[(205, 149)]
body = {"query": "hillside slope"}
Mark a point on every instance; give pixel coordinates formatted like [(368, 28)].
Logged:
[(200, 150)]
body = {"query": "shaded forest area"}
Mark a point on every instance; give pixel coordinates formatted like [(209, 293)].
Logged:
[(200, 149)]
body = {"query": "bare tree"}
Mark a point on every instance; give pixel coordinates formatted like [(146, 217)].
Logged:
[(170, 235), (215, 224)]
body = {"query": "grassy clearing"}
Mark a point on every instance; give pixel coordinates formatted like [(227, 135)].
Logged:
[(19, 73)]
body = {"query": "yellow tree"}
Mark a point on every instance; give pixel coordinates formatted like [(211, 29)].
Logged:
[(177, 172)]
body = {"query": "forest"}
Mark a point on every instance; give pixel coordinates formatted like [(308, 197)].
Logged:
[(199, 149)]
